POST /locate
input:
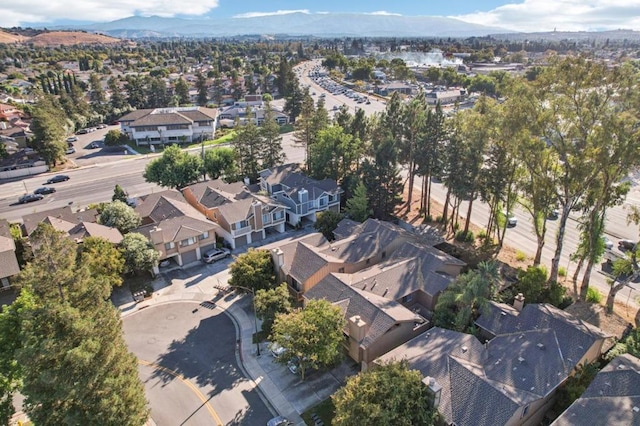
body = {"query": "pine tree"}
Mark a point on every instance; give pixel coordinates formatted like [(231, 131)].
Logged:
[(272, 154)]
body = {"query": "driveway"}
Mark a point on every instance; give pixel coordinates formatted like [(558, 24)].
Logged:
[(188, 365)]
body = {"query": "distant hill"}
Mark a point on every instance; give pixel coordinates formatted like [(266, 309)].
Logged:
[(57, 38), (296, 24)]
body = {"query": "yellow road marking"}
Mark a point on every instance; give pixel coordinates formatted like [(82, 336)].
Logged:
[(195, 390)]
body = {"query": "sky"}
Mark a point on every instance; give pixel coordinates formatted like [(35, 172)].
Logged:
[(516, 15)]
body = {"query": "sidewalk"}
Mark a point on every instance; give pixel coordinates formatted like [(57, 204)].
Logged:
[(203, 291)]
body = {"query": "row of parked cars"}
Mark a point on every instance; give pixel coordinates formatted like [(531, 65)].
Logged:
[(39, 193)]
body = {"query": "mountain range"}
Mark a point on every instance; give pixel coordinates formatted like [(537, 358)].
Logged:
[(293, 24)]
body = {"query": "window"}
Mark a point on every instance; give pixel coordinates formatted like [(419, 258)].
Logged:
[(177, 126), (323, 201), (169, 245), (204, 235), (384, 254), (187, 242), (341, 270), (278, 215), (265, 218), (408, 298)]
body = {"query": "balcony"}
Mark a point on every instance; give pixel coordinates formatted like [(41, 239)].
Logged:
[(241, 231)]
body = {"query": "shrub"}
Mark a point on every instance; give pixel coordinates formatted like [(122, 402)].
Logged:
[(439, 219), (593, 295), (520, 256), (466, 237), (482, 234), (562, 271), (428, 218)]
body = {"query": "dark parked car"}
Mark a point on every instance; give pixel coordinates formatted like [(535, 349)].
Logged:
[(625, 245), (27, 198), (82, 132), (215, 254), (58, 178), (45, 190)]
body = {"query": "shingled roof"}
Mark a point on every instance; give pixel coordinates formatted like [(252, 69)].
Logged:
[(532, 354), (612, 398), (378, 313), (31, 221)]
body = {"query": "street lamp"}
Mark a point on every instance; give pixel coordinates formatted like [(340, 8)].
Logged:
[(255, 314)]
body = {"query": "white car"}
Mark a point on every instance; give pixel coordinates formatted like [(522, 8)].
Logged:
[(511, 219), (215, 254), (276, 350)]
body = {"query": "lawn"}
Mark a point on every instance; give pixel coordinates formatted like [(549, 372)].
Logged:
[(325, 411), (139, 149), (224, 139)]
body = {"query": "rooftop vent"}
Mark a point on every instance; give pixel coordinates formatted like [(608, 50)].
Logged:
[(636, 409), (520, 359), (386, 290), (464, 349), (503, 313), (540, 346)]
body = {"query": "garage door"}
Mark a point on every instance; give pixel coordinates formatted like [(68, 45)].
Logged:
[(241, 241), (256, 236), (205, 249), (189, 257)]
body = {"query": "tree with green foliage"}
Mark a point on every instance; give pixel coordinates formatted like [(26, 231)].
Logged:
[(201, 86), (531, 283), (175, 169), (358, 205), (464, 300), (271, 302), (247, 144), (135, 89), (326, 222), (253, 270), (221, 163), (182, 92), (334, 154), (138, 253), (3, 151), (312, 336), (117, 100), (121, 216), (156, 90), (104, 260), (96, 96), (575, 386), (119, 194), (382, 179), (49, 130), (271, 154), (115, 138), (76, 368), (389, 394)]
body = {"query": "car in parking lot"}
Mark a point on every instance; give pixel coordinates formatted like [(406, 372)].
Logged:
[(101, 126), (608, 244), (276, 350), (44, 190), (279, 421), (58, 178), (625, 245), (28, 198), (215, 254), (95, 144), (70, 150), (72, 139)]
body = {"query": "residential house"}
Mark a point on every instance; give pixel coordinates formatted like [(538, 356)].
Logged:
[(303, 196), (169, 125), (612, 398), (512, 378), (31, 221), (304, 262), (8, 260), (241, 216), (176, 229)]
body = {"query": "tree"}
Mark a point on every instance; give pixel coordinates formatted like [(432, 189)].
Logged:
[(358, 205), (271, 151), (220, 163), (253, 270), (75, 365), (201, 86), (175, 169), (382, 179), (182, 92), (389, 394), (117, 100), (627, 345), (531, 283), (115, 138), (49, 130), (104, 261), (97, 96), (327, 221), (312, 335), (3, 151), (247, 144), (119, 215), (271, 302), (334, 154), (119, 194), (138, 253), (463, 301), (157, 96)]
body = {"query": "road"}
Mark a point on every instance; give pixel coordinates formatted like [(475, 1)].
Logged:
[(189, 369)]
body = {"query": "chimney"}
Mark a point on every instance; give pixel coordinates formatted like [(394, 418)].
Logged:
[(278, 257), (155, 235), (357, 328), (518, 302), (434, 390), (303, 195)]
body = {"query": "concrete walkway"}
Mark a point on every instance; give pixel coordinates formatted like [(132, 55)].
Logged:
[(195, 284)]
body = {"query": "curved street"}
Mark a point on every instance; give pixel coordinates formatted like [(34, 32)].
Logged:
[(187, 358)]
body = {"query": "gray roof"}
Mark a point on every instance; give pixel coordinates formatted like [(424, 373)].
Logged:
[(168, 116), (31, 221), (134, 115), (161, 119), (612, 398), (8, 261), (294, 262), (378, 313), (290, 176)]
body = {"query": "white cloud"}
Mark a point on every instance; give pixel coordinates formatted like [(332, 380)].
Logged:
[(563, 15), (384, 13), (16, 13), (277, 12)]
